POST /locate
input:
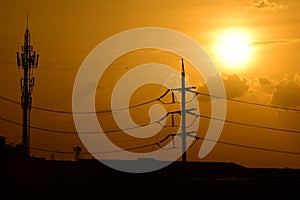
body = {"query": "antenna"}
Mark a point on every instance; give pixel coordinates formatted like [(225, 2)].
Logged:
[(27, 21)]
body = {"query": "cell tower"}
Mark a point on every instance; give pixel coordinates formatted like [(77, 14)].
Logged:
[(28, 60)]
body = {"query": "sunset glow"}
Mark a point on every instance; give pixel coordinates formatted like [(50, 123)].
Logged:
[(254, 45)]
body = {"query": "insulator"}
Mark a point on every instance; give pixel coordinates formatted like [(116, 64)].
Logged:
[(18, 60), (29, 102), (173, 141), (37, 60), (22, 101), (21, 82), (173, 98), (23, 59), (162, 96), (32, 60), (32, 81), (172, 120)]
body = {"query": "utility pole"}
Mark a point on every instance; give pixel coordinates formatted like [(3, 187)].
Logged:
[(183, 119), (28, 60), (77, 151)]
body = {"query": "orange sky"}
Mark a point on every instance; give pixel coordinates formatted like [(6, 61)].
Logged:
[(64, 32)]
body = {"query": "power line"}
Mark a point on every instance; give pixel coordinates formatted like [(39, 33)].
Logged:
[(172, 135), (73, 132), (97, 112), (248, 102), (245, 124), (160, 100), (158, 121), (169, 135), (37, 128), (9, 100), (52, 151), (249, 146), (251, 125), (151, 101)]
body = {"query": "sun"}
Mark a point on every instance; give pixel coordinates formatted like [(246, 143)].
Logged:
[(233, 49)]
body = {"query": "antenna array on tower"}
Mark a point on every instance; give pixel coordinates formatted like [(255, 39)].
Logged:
[(27, 60)]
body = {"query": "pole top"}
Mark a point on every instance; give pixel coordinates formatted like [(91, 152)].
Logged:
[(182, 64), (27, 21)]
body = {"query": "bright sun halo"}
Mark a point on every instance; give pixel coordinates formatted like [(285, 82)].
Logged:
[(233, 49)]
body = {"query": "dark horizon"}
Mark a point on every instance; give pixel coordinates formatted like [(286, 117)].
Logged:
[(19, 172)]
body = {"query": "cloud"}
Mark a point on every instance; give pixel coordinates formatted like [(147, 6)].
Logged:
[(287, 94), (235, 86), (284, 92), (264, 81), (297, 78), (261, 90), (273, 42), (266, 5)]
